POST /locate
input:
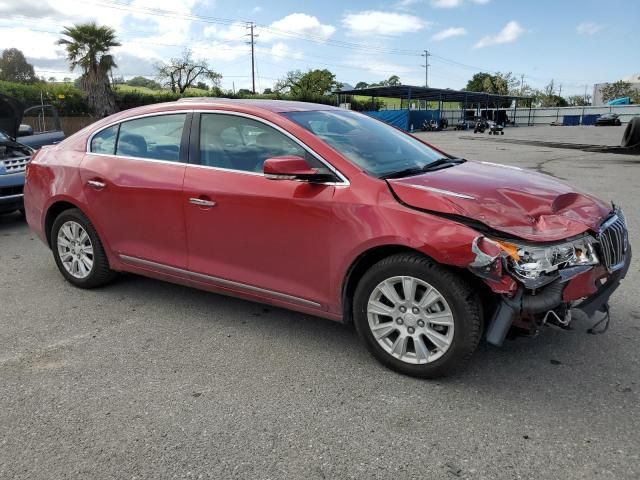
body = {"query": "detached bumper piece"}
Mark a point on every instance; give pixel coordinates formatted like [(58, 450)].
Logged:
[(552, 298)]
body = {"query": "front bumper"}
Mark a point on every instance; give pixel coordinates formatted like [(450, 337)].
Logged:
[(11, 192), (559, 294)]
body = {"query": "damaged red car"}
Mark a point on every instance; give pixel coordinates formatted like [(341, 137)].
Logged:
[(331, 213)]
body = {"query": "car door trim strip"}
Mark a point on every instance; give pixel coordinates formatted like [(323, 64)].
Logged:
[(222, 282)]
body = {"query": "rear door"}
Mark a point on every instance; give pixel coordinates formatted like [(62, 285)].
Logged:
[(268, 237), (133, 178)]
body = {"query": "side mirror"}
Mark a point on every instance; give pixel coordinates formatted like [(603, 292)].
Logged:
[(25, 130), (292, 167)]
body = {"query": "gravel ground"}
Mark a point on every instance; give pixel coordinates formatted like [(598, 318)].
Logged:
[(144, 379)]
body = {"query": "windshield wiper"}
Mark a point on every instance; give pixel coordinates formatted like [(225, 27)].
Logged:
[(435, 165), (407, 172), (442, 163)]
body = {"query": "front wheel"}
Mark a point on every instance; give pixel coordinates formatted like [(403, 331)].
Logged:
[(78, 251), (417, 317)]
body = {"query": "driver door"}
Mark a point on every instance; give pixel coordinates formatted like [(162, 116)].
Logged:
[(268, 237)]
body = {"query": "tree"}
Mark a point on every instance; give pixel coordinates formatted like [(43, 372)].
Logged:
[(267, 91), (51, 79), (307, 86), (143, 82), (361, 85), (614, 90), (498, 84), (182, 72), (548, 97), (393, 80), (15, 68), (579, 100), (202, 86), (88, 47)]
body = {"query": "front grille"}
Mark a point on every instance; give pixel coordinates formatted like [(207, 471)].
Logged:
[(10, 191), (614, 241), (15, 165)]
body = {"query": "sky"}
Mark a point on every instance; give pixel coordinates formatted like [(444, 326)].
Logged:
[(575, 42)]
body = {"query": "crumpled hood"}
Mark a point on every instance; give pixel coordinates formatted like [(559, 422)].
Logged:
[(518, 202)]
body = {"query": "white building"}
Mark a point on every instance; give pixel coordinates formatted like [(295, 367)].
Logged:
[(634, 80)]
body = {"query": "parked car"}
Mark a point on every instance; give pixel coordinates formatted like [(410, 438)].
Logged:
[(17, 143), (608, 119), (328, 212)]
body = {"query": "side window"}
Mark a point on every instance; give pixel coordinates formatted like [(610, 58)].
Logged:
[(156, 138), (105, 141), (239, 143)]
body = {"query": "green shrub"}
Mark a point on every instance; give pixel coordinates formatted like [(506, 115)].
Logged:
[(65, 97)]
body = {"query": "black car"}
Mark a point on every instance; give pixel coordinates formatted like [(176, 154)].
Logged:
[(608, 119)]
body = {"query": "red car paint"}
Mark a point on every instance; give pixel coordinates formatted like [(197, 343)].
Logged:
[(290, 243)]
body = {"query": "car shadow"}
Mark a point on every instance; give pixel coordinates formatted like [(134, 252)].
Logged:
[(525, 365), (11, 220)]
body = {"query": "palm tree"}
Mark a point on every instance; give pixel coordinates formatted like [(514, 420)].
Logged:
[(88, 47)]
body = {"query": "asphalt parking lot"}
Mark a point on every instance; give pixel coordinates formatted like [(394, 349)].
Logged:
[(144, 379)]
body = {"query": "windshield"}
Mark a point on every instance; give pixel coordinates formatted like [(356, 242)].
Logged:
[(376, 147)]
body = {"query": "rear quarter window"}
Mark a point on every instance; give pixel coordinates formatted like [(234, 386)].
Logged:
[(105, 141)]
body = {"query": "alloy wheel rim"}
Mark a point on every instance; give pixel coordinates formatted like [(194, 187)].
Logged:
[(410, 320), (75, 249)]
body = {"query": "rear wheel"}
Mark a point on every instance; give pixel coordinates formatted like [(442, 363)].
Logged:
[(78, 251), (416, 316)]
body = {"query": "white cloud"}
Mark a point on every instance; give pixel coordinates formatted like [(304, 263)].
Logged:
[(301, 23), (256, 9), (588, 28), (446, 3), (373, 22), (295, 23), (452, 3), (510, 33), (449, 33), (281, 51)]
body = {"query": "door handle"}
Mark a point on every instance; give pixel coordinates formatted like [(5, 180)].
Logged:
[(201, 202), (97, 184)]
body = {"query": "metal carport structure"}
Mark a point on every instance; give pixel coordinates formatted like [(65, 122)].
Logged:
[(407, 93)]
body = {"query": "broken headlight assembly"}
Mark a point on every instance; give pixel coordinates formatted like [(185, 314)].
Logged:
[(536, 265)]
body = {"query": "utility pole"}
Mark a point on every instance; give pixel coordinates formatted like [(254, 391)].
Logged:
[(426, 56), (522, 85), (560, 91), (252, 42)]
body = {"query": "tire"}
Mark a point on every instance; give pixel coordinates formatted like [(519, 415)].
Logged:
[(457, 304), (90, 267), (631, 135)]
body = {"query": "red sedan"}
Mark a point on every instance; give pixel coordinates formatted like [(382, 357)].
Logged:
[(331, 213)]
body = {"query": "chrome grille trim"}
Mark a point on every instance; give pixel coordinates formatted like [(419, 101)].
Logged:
[(16, 165), (614, 241)]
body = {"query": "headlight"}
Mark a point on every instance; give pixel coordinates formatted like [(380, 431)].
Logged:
[(535, 264)]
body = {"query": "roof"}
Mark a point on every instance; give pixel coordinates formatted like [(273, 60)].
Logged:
[(276, 106), (425, 93)]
